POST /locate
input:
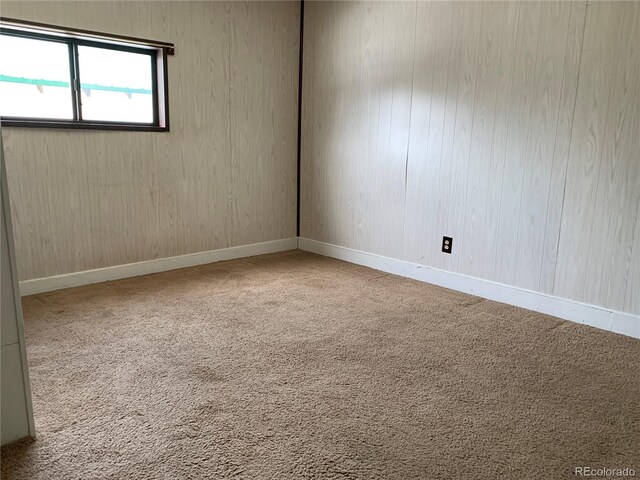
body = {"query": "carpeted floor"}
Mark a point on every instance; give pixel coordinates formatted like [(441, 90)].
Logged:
[(292, 366)]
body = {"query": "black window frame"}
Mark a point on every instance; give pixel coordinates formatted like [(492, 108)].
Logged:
[(157, 51)]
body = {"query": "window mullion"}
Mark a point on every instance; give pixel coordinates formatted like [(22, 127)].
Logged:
[(72, 81), (78, 84), (75, 73), (77, 76)]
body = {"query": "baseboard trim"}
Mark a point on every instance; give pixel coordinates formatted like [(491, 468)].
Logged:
[(87, 277), (592, 315)]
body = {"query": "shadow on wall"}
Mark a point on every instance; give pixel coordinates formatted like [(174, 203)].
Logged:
[(508, 126)]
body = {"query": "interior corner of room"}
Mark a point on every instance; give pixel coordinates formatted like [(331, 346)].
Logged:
[(490, 148), (513, 135)]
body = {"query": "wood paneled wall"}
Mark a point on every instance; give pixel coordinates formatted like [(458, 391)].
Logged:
[(512, 127), (224, 176)]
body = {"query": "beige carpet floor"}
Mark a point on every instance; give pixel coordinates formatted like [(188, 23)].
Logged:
[(292, 366)]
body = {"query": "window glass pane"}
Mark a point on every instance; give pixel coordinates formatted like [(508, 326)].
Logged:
[(115, 85), (34, 78)]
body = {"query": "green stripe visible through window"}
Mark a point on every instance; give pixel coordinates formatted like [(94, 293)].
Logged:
[(58, 83)]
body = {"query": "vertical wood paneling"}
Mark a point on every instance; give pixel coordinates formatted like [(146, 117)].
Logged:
[(521, 101), (428, 114), (510, 126), (542, 125), (226, 173), (632, 297), (589, 122), (470, 24), (362, 78), (452, 65), (496, 166), (391, 167), (618, 189), (562, 142), (521, 142), (603, 176), (484, 112)]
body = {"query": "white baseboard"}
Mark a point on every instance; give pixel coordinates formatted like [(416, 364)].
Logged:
[(599, 317), (58, 282), (595, 316)]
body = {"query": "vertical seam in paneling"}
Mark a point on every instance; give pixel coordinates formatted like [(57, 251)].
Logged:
[(512, 280), (439, 182), (503, 29), (473, 113), (506, 142), (428, 132), (555, 144), (406, 162), (566, 167), (455, 123), (599, 167)]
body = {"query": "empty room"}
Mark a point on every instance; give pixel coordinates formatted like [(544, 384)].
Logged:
[(320, 240)]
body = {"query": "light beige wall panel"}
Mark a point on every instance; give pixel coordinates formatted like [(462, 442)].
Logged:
[(521, 102), (494, 28), (319, 65), (497, 158), (283, 90), (427, 132), (534, 190), (470, 25), (258, 83), (444, 208), (586, 147), (314, 63), (444, 185), (357, 99), (521, 142), (618, 192), (330, 35), (632, 295), (224, 175), (564, 125), (603, 177), (202, 186)]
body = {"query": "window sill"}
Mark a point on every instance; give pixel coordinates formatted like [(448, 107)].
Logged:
[(128, 127)]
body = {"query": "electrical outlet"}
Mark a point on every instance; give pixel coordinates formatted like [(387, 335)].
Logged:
[(447, 244)]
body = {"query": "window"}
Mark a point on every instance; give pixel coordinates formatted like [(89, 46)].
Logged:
[(56, 77)]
